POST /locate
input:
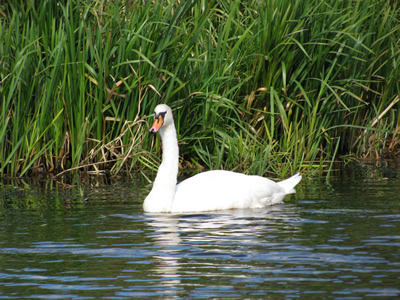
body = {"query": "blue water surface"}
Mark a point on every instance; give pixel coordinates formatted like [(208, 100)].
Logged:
[(336, 239)]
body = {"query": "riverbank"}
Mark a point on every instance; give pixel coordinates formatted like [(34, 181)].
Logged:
[(274, 88)]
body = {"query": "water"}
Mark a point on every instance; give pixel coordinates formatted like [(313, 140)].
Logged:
[(336, 240)]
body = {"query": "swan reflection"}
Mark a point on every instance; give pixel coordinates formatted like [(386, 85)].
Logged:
[(219, 239)]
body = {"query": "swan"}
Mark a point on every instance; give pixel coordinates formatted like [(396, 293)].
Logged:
[(206, 191)]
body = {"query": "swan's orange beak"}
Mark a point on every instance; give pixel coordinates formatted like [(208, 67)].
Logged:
[(158, 122)]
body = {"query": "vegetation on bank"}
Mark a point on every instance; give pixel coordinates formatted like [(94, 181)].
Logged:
[(256, 86)]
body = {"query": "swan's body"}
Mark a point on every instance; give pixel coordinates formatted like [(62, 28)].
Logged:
[(207, 191)]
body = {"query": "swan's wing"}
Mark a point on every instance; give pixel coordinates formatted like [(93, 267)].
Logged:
[(218, 190)]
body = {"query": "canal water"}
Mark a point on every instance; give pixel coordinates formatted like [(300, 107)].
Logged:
[(334, 239)]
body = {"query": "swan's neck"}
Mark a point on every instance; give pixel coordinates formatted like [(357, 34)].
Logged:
[(162, 194), (168, 170)]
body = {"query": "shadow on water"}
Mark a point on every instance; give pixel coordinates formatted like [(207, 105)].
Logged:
[(338, 239)]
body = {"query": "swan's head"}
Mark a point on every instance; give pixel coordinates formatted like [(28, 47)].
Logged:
[(162, 117)]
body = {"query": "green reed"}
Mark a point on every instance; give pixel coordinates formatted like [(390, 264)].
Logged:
[(256, 86)]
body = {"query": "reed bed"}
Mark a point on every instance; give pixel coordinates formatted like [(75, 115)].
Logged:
[(261, 87)]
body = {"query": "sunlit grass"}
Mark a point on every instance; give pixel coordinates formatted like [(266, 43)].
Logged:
[(268, 87)]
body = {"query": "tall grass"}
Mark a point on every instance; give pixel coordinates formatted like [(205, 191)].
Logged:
[(256, 86)]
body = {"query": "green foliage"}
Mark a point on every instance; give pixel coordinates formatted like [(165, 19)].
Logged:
[(257, 86)]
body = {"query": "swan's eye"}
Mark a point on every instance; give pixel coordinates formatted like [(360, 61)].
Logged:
[(162, 114)]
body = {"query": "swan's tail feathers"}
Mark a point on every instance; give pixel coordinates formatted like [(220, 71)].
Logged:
[(290, 183)]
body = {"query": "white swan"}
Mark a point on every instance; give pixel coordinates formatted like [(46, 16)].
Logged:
[(207, 191)]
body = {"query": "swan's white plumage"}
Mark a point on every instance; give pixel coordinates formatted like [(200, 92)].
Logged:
[(207, 191)]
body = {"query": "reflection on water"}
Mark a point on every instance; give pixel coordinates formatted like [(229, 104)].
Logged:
[(338, 239), (212, 238)]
